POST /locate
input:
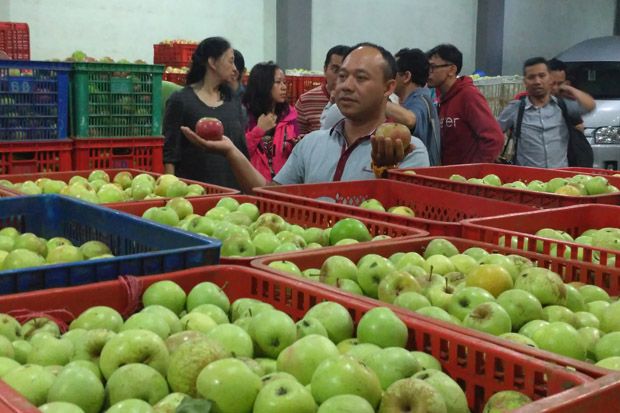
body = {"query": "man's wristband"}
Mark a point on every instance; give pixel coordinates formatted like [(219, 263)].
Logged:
[(381, 171)]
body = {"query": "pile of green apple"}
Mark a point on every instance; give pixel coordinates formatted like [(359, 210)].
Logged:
[(578, 185), (239, 357), (245, 232), (606, 238), (98, 188), (26, 250), (503, 295), (376, 205)]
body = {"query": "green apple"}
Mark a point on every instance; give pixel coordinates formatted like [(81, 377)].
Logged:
[(181, 206), (503, 261), (90, 395), (458, 178), (544, 284), (10, 232), (162, 215), (361, 351), (382, 327), (53, 242), (238, 245), (7, 243), (109, 193), (610, 320), (608, 346), (216, 313), (197, 322), (349, 228), (250, 210), (308, 326), (591, 293), (207, 292), (521, 306), (589, 337), (233, 338), (94, 248), (346, 403), (530, 327), (452, 394), (553, 313), (561, 338), (229, 203), (6, 348), (301, 358), (60, 407), (47, 350), (373, 204), (463, 263), (440, 295), (426, 361), (272, 331), (440, 246), (611, 363), (174, 341), (349, 286), (130, 406), (284, 396), (9, 327), (411, 301), (345, 375), (285, 266), (98, 317), (597, 185), (402, 210), (147, 321), (230, 385), (134, 346), (265, 243), (396, 283), (64, 254), (272, 221), (412, 392), (476, 253), (170, 403), (88, 346), (38, 325), (505, 401), (519, 339), (22, 258), (123, 178), (438, 264), (31, 381), (21, 349), (7, 364), (463, 301), (488, 317), (165, 293), (392, 364), (492, 179), (335, 318)]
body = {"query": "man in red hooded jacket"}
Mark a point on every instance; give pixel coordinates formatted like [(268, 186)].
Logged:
[(469, 131)]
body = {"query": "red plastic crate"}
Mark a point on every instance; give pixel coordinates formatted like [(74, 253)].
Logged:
[(292, 213), (105, 153), (569, 270), (436, 211), (174, 54), (35, 156), (438, 177), (574, 220), (15, 40), (178, 78), (481, 368), (591, 171), (66, 176)]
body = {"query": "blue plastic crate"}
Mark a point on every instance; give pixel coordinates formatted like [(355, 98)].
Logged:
[(34, 100), (140, 247)]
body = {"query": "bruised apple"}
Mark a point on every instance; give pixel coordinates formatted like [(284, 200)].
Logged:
[(395, 131), (210, 129)]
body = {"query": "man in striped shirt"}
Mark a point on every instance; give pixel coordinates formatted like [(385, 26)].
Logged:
[(310, 105)]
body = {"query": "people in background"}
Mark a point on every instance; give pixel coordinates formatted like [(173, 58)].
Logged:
[(272, 129), (469, 132), (236, 84), (543, 141), (416, 109), (557, 71), (311, 104), (349, 151), (206, 94)]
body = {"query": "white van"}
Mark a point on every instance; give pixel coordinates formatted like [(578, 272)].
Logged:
[(594, 67)]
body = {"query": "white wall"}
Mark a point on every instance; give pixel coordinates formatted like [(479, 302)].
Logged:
[(128, 29), (394, 24), (547, 27)]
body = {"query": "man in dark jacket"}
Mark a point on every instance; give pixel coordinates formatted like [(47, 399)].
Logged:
[(469, 132)]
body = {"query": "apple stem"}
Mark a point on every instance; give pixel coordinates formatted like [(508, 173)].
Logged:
[(430, 274)]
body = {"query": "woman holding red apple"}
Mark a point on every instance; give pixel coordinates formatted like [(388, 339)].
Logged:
[(207, 94), (272, 123)]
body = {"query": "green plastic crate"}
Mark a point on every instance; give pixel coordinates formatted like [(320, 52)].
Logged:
[(116, 100)]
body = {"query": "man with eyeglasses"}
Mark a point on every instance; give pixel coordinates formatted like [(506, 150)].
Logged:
[(469, 132)]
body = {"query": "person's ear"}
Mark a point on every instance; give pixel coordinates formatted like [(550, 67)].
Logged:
[(211, 63), (407, 76), (390, 86)]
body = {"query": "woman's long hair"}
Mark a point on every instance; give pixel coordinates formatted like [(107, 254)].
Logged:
[(257, 98), (211, 47)]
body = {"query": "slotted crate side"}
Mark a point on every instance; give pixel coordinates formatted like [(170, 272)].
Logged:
[(567, 269), (479, 367), (66, 176), (173, 54), (34, 157), (114, 100), (140, 247), (438, 177), (145, 153), (519, 230), (34, 100), (591, 171), (437, 211), (294, 214), (15, 40)]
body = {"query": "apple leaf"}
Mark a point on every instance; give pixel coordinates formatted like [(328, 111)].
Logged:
[(189, 405)]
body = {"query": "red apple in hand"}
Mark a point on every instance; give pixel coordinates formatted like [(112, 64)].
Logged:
[(210, 129), (395, 131)]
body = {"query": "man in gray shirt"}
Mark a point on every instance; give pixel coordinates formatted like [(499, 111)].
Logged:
[(349, 151), (544, 134)]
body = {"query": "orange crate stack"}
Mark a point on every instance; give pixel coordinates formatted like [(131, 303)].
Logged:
[(35, 156), (145, 153), (15, 40)]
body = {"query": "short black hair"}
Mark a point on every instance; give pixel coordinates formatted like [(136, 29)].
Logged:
[(449, 53), (532, 61), (239, 63), (556, 65), (339, 50), (389, 70), (415, 62)]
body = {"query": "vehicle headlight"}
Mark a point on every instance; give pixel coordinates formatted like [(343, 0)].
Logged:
[(607, 135)]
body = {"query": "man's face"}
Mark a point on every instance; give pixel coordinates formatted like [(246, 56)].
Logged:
[(331, 71), (439, 71), (361, 89), (558, 78), (537, 80)]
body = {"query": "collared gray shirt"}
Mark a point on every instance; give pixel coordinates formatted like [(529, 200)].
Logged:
[(544, 135), (318, 156)]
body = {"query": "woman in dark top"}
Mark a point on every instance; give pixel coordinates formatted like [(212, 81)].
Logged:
[(206, 94)]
